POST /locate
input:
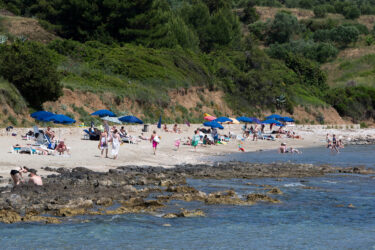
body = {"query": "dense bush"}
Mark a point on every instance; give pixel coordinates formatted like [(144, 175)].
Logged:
[(320, 52), (342, 35), (250, 14), (320, 11), (351, 12), (32, 69), (356, 102), (282, 28)]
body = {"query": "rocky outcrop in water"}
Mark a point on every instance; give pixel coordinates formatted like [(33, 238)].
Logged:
[(134, 189)]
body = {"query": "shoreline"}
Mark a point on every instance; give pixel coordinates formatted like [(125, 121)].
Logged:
[(68, 193), (84, 153)]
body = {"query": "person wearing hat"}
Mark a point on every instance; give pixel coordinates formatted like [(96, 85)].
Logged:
[(34, 178)]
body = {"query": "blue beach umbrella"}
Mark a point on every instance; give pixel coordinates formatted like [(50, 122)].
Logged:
[(271, 121), (103, 113), (131, 119), (244, 119), (255, 120), (59, 119), (222, 119), (213, 124), (40, 115), (285, 119), (273, 116)]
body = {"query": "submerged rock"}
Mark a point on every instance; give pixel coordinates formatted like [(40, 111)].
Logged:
[(275, 190), (226, 198), (185, 213), (261, 197)]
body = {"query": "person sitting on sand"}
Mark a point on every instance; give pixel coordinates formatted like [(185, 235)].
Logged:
[(61, 148), (282, 149), (142, 137), (50, 133), (176, 129), (34, 178), (122, 132), (17, 175), (165, 128)]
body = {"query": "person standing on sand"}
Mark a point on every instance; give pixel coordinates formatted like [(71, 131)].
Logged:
[(195, 140), (103, 143), (255, 134), (155, 141), (115, 143)]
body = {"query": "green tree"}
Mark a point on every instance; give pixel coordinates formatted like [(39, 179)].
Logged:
[(32, 69), (250, 14), (320, 11), (282, 28), (351, 12), (344, 35)]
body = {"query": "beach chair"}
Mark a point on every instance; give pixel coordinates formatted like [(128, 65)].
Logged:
[(86, 135), (22, 149)]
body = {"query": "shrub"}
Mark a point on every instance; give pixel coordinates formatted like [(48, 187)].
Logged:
[(320, 11), (351, 12), (250, 14), (355, 102), (282, 28), (32, 69)]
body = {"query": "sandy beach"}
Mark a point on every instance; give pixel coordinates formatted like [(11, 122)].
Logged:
[(85, 153)]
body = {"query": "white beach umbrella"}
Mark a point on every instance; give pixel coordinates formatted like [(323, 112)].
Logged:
[(112, 119)]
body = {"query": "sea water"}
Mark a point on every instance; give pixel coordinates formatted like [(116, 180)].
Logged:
[(353, 155), (314, 214)]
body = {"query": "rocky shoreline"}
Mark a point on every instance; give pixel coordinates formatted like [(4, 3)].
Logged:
[(134, 189)]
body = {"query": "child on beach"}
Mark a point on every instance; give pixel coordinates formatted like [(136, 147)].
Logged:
[(155, 141), (177, 143), (103, 143), (240, 146)]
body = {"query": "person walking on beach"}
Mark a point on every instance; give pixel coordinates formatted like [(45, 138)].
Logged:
[(155, 141), (255, 134), (195, 140), (103, 143), (115, 143)]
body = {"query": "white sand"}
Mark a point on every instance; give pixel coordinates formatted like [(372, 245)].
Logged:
[(85, 153)]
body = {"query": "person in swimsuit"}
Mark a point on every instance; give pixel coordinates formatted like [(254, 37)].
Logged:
[(34, 178), (155, 141), (103, 143), (17, 175), (334, 144), (61, 148), (282, 149)]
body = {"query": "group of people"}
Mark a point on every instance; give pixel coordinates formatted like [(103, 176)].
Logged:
[(109, 136), (18, 178), (334, 144), (175, 129)]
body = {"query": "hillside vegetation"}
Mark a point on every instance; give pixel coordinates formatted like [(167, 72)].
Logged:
[(137, 55)]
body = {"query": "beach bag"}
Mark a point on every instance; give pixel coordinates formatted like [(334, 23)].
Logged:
[(156, 139)]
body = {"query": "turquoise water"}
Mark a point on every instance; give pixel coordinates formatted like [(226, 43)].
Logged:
[(306, 219)]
